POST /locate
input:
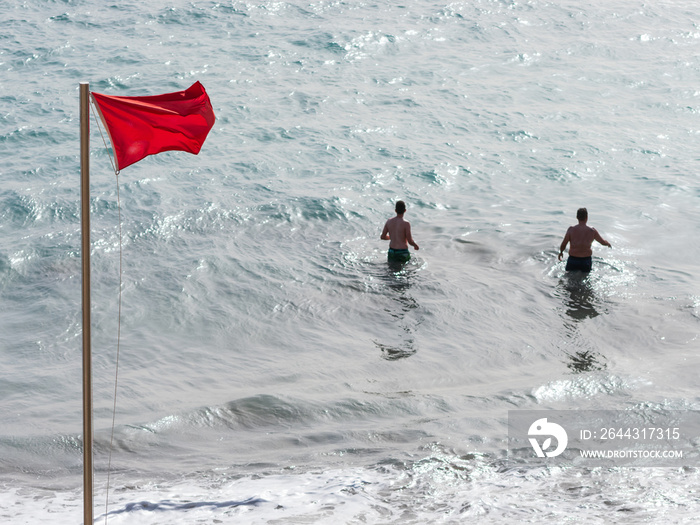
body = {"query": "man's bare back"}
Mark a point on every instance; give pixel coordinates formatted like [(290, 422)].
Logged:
[(398, 232), (581, 238)]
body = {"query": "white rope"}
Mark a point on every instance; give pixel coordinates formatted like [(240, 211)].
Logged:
[(119, 322)]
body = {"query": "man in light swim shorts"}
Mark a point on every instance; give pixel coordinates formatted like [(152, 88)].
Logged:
[(581, 238), (398, 232)]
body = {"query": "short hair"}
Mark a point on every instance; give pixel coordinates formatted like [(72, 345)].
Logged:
[(582, 214), (400, 207)]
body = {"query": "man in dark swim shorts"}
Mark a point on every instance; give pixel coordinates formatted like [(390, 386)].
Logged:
[(398, 232), (581, 238), (398, 256), (579, 264)]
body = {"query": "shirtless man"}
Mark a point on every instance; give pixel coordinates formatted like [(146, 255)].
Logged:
[(581, 237), (398, 232)]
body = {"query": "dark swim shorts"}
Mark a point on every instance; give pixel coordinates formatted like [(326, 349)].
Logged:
[(398, 256), (579, 264)]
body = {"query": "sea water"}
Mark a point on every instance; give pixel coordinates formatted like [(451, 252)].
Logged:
[(272, 368)]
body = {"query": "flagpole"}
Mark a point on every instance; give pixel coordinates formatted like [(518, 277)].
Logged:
[(85, 252)]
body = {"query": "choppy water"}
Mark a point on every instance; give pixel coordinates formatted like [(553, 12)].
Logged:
[(273, 369)]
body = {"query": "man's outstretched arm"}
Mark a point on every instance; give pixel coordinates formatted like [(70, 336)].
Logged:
[(566, 240), (385, 232), (409, 237), (602, 241)]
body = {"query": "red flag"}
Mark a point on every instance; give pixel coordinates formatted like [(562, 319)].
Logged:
[(142, 126)]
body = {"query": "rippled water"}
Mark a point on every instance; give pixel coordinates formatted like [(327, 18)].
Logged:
[(273, 368)]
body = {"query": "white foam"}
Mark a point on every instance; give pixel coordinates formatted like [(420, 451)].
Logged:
[(443, 487)]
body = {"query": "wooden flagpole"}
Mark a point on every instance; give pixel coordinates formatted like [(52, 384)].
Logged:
[(85, 253)]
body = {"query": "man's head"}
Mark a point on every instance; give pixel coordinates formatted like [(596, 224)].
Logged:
[(400, 207), (582, 214)]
